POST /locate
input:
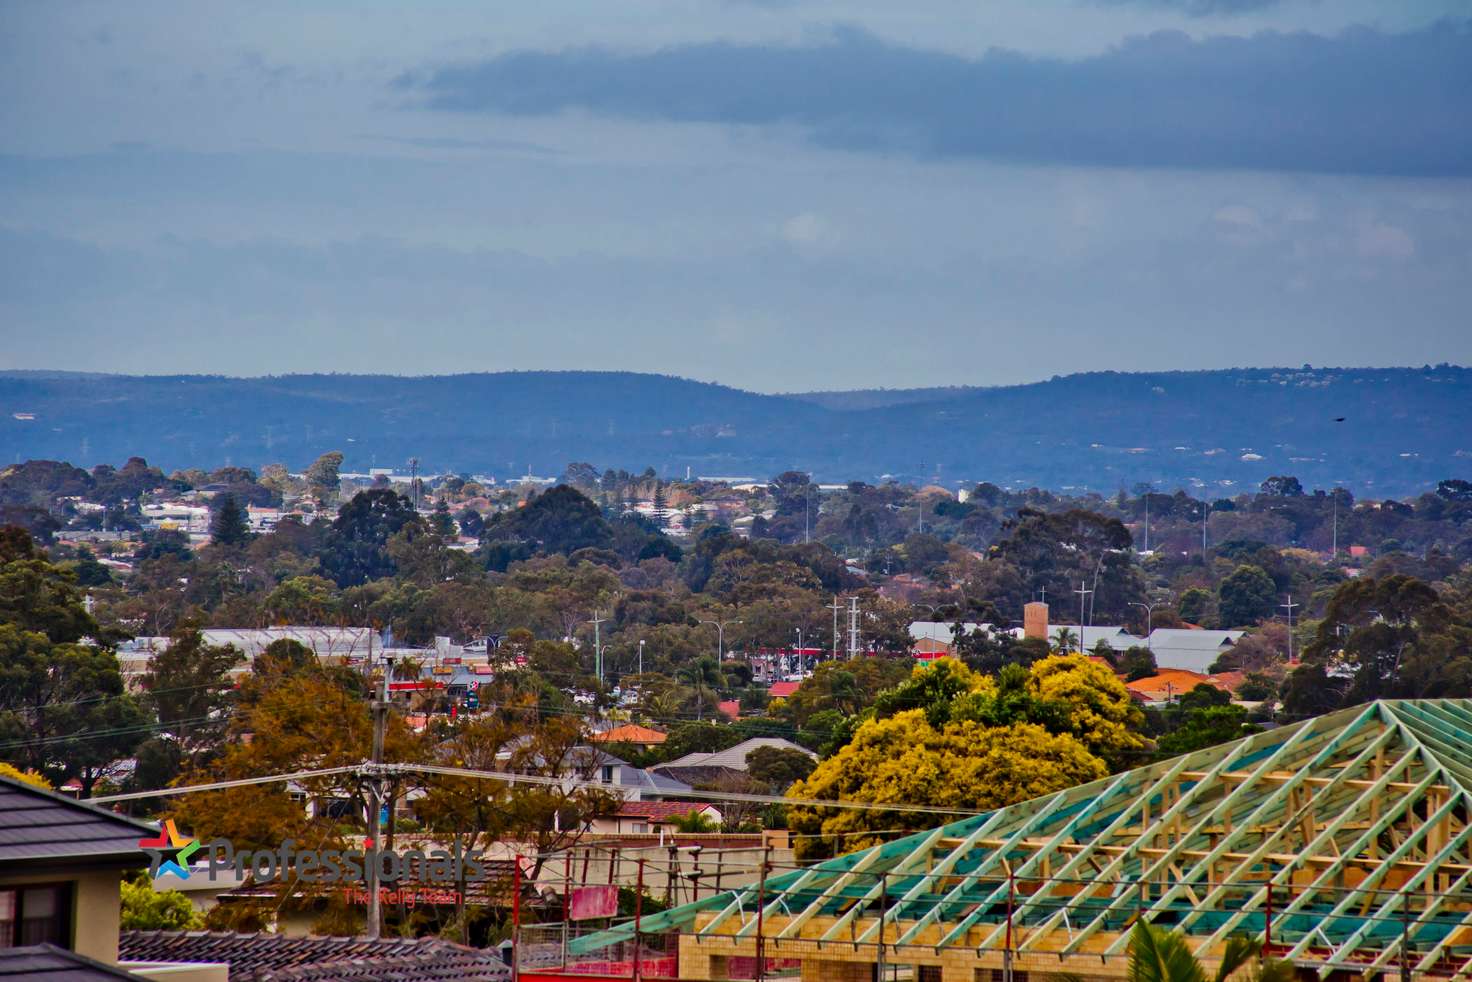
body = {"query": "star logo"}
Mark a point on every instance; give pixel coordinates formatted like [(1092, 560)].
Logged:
[(169, 841)]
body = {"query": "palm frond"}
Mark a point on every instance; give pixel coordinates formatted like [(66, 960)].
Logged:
[(1158, 955), (1239, 951)]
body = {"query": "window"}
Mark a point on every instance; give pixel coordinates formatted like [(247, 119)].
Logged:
[(607, 773), (33, 915)]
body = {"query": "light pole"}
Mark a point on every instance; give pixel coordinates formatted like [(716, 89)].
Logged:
[(598, 619), (1149, 623), (1083, 592), (1334, 546), (721, 635), (1289, 608), (641, 656), (1148, 489)]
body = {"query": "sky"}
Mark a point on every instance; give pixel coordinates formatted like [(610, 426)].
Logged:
[(779, 195)]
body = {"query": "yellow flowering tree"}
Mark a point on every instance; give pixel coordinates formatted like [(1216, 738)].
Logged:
[(28, 777), (950, 737), (904, 759), (1097, 707)]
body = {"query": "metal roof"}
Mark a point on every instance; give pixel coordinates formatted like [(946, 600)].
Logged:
[(1339, 841), (48, 963), (42, 827)]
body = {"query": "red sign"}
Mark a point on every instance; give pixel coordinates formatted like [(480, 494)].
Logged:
[(590, 902)]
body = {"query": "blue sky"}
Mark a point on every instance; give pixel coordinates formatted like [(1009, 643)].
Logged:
[(774, 194)]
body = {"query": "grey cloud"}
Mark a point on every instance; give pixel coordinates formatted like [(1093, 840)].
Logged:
[(1362, 102), (1197, 8), (454, 143)]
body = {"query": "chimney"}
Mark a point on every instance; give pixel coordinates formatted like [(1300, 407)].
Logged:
[(1035, 620)]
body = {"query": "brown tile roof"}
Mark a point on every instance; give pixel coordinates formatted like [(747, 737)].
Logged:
[(496, 888), (273, 957)]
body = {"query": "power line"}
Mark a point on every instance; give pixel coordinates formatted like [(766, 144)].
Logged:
[(512, 779)]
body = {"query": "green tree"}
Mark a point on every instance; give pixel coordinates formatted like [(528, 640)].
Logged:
[(694, 822), (1137, 663), (1206, 727), (1161, 955), (357, 547), (147, 909), (1394, 636), (562, 520), (64, 711), (322, 477), (778, 767), (301, 600), (190, 690), (283, 658), (228, 524), (1194, 605), (1246, 597), (36, 595)]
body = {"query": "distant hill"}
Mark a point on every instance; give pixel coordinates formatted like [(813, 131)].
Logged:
[(1403, 429)]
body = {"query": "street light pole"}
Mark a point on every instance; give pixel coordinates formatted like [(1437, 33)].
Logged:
[(641, 656), (597, 620), (721, 636), (1149, 623), (1083, 592), (1289, 607), (835, 606)]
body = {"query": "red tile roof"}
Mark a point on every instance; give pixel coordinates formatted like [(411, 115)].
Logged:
[(781, 690), (661, 811), (731, 708), (1170, 683), (630, 733)]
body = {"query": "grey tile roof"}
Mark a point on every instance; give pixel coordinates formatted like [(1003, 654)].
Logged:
[(733, 757), (48, 963), (38, 826), (276, 957)]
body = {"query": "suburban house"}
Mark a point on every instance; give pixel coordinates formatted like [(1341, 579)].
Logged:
[(1167, 685), (652, 817), (782, 690), (701, 768), (61, 868), (643, 737), (936, 639)]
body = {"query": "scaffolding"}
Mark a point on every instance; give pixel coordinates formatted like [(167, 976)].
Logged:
[(1342, 843)]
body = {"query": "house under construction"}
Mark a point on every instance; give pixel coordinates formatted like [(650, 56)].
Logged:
[(1342, 843)]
